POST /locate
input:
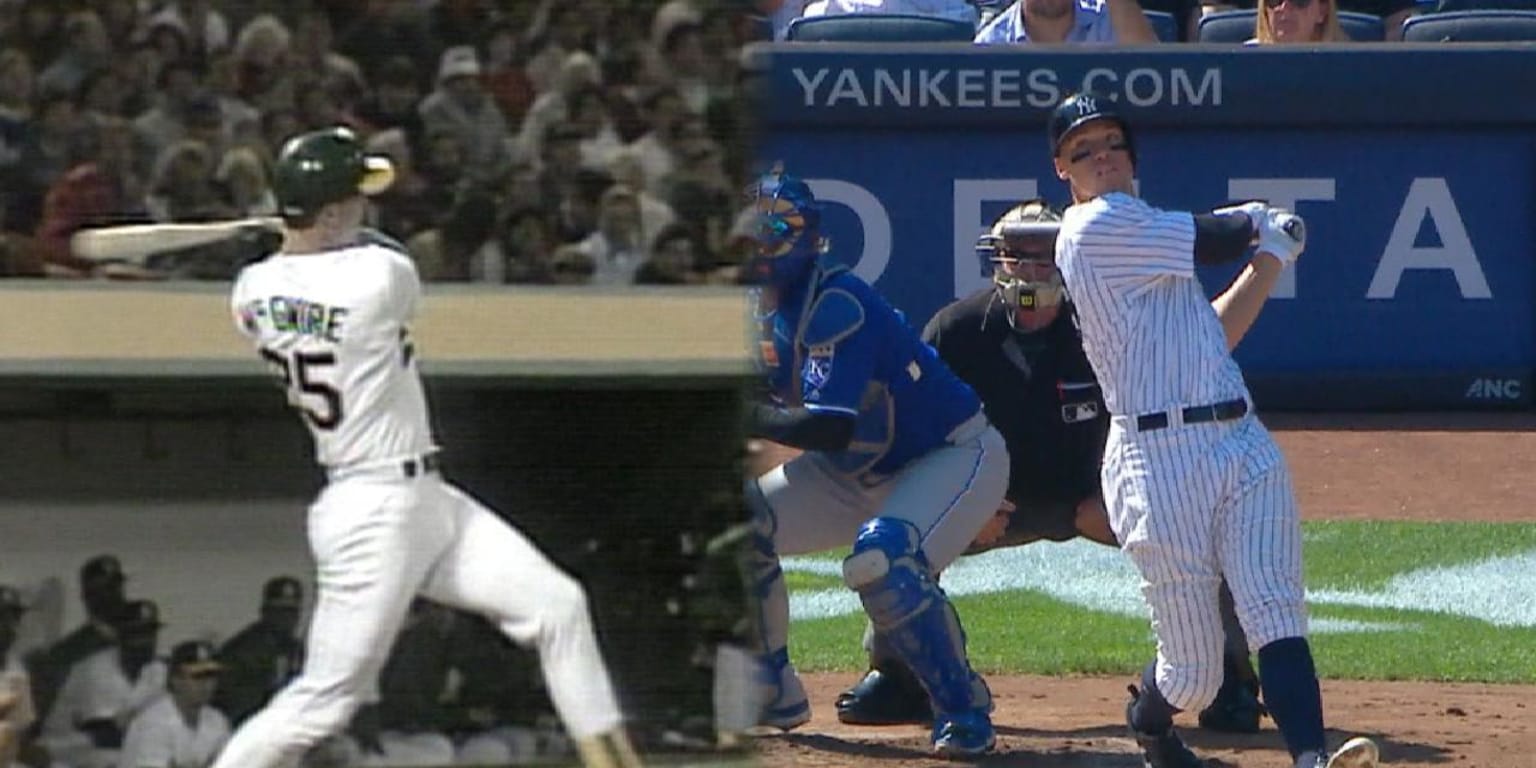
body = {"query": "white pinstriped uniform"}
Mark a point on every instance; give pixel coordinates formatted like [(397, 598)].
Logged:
[(1189, 503)]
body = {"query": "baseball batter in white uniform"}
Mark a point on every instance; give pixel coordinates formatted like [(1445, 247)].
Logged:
[(331, 312), (180, 730), (1195, 487)]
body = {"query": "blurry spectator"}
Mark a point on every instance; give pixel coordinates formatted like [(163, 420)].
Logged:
[(316, 104), (505, 80), (380, 30), (664, 111), (180, 730), (262, 63), (588, 111), (673, 260), (169, 37), (459, 103), (463, 247), (559, 161), (576, 217), (311, 53), (570, 265), (697, 158), (16, 712), (958, 10), (1069, 21), (103, 692), (720, 37), (86, 52), (139, 73), (392, 104), (20, 255), (41, 32), (242, 176), (101, 189), (264, 656), (47, 153), (205, 28), (181, 187), (563, 33), (277, 125), (617, 247), (16, 86), (104, 94), (1392, 12), (621, 77), (527, 244), (102, 593), (444, 166), (1298, 21), (458, 22), (121, 18), (654, 212), (681, 63), (405, 208), (578, 72), (179, 86)]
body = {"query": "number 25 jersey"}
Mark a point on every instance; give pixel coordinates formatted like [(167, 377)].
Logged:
[(334, 326)]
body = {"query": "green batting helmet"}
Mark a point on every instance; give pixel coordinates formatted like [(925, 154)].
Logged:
[(321, 167)]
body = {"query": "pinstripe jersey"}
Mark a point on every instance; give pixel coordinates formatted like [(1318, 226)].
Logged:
[(1147, 326)]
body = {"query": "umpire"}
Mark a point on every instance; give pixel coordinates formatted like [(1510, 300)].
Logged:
[(1016, 343)]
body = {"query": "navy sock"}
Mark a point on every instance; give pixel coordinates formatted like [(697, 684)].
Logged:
[(1151, 713), (1289, 681)]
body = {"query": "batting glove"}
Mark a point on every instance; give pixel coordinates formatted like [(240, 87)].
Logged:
[(1283, 235), (1255, 211)]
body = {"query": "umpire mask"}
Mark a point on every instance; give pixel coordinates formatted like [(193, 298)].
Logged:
[(1019, 253)]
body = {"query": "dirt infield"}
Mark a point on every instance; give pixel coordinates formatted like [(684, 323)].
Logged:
[(1432, 467)]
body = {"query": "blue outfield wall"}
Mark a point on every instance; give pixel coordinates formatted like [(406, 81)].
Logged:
[(1415, 167)]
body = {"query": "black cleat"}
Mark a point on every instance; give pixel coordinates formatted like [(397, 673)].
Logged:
[(1235, 710), (1161, 750), (888, 695)]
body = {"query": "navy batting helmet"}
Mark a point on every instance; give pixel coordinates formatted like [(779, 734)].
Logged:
[(1080, 109)]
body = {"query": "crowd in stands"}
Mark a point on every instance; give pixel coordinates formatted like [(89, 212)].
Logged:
[(454, 689), (536, 141), (1263, 22)]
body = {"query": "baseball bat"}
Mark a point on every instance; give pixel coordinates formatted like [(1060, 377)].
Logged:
[(134, 241)]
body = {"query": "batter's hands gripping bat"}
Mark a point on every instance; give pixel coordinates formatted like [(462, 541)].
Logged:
[(134, 242)]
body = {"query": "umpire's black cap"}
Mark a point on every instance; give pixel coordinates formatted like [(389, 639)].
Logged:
[(101, 572), (1079, 109), (139, 617), (282, 592)]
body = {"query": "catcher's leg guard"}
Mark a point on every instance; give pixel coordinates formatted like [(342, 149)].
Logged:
[(892, 576), (785, 704)]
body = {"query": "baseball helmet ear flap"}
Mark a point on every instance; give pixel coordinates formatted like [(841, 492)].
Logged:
[(322, 167), (1078, 110)]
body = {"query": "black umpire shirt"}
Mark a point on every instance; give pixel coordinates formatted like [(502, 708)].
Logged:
[(1038, 390)]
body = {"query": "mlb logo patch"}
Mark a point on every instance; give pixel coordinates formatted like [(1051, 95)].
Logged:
[(817, 371)]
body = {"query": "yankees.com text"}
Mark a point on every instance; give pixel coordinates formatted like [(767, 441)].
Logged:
[(1002, 87)]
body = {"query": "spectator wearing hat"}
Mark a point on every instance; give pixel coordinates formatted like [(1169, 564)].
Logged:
[(16, 713), (459, 103), (180, 730), (617, 247), (104, 692), (392, 104), (103, 594), (206, 29), (264, 656), (564, 31)]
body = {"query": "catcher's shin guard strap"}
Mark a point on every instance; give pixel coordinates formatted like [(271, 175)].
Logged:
[(608, 750), (914, 617)]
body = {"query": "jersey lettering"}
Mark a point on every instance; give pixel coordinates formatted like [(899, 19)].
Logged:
[(299, 374)]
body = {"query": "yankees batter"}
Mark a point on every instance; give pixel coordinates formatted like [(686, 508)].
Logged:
[(1017, 345), (1195, 487), (899, 459), (331, 313)]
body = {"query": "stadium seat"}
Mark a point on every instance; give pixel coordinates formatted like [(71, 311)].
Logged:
[(879, 28), (1163, 23), (1227, 26), (1471, 27), (1363, 27), (1447, 6)]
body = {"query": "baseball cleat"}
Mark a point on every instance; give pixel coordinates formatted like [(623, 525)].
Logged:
[(963, 735), (1358, 752), (888, 695), (1235, 710)]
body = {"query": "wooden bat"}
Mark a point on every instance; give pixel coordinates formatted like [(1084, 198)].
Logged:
[(133, 242)]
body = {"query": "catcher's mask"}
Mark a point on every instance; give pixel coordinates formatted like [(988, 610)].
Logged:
[(787, 229), (1019, 254)]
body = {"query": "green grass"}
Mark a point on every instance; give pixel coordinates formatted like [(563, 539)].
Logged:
[(1025, 631)]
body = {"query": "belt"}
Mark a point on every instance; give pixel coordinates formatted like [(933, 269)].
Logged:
[(1223, 411), (412, 467)]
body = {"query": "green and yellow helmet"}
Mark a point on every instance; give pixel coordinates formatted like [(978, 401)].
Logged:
[(322, 167)]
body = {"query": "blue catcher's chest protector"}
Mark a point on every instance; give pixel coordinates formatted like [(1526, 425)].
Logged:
[(834, 344)]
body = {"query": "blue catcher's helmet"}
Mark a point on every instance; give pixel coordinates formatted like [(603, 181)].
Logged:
[(787, 229)]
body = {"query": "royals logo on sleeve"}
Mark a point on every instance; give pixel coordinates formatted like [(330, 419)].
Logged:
[(817, 371)]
